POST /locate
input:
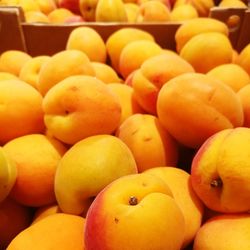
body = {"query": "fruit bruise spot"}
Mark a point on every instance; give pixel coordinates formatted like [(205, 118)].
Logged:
[(147, 139), (116, 220), (134, 132), (133, 200), (216, 183)]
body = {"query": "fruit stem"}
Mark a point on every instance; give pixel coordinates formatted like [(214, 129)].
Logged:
[(133, 200), (216, 183)]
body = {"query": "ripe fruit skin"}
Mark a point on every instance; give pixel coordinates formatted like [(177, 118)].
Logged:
[(133, 212), (193, 106), (150, 143), (75, 106), (192, 207), (57, 231), (8, 174), (227, 231), (205, 51), (197, 26), (220, 171), (90, 164)]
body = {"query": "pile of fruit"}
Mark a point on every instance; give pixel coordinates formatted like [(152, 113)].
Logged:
[(131, 11), (124, 145)]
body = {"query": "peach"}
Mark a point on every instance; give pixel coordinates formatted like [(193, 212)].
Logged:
[(80, 106), (14, 218), (192, 207), (120, 38), (244, 95), (89, 41), (36, 157), (129, 105), (150, 78), (228, 231), (231, 74), (72, 62), (105, 73), (12, 61), (30, 70), (90, 164), (135, 53), (220, 171), (208, 50), (244, 58), (196, 26), (134, 212), (194, 106), (58, 231), (153, 11), (21, 110), (150, 143)]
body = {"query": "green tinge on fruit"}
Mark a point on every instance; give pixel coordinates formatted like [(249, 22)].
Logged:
[(8, 174)]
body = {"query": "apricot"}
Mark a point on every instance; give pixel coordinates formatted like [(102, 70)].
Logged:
[(194, 106), (192, 207), (36, 157), (58, 231), (150, 143), (105, 73), (244, 95), (12, 61), (150, 78), (244, 58), (135, 53), (153, 11), (30, 70), (183, 12), (80, 106), (14, 219), (21, 111), (44, 211), (59, 15), (129, 105), (36, 17), (89, 41), (91, 164), (196, 26), (227, 231), (208, 50), (119, 39), (231, 74), (72, 62)]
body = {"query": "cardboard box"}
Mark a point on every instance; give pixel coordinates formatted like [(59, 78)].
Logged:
[(47, 39)]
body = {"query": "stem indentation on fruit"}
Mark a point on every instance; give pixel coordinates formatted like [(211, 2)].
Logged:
[(133, 200), (216, 183)]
